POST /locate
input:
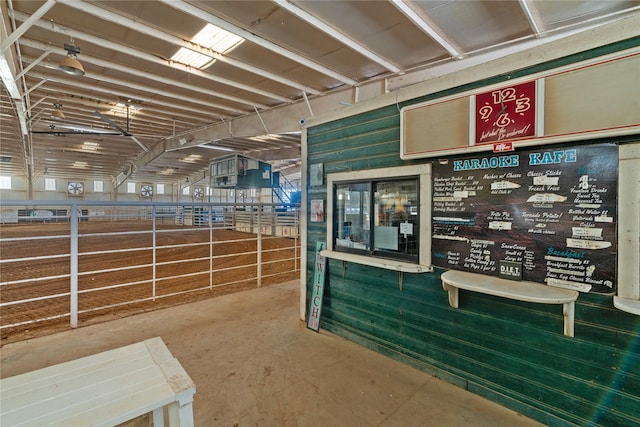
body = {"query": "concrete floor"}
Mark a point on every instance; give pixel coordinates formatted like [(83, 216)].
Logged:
[(254, 363)]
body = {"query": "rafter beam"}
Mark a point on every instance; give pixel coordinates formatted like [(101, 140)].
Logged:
[(332, 32), (160, 35), (28, 23), (426, 27), (154, 77), (143, 55), (192, 10), (531, 15), (118, 93)]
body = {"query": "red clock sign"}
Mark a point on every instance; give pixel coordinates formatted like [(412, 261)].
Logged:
[(506, 114)]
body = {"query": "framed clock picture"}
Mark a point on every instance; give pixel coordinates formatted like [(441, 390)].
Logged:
[(506, 113)]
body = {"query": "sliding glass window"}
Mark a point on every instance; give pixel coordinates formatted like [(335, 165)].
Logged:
[(378, 218)]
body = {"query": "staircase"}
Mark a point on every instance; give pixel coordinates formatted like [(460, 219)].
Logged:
[(284, 191)]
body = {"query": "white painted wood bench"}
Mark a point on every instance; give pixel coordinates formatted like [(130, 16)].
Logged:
[(453, 280), (105, 389)]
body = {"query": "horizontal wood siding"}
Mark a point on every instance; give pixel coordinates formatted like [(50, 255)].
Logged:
[(513, 349), (508, 351)]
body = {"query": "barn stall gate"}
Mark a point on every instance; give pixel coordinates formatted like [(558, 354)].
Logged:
[(65, 264)]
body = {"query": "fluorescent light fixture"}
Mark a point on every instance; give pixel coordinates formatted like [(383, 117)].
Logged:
[(191, 158), (211, 37), (90, 146), (81, 150), (79, 165), (121, 110), (167, 171), (215, 147), (264, 138)]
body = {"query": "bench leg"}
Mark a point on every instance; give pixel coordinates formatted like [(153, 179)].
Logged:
[(568, 312), (453, 294), (181, 415)]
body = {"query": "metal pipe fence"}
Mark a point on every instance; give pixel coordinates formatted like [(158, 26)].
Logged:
[(77, 261)]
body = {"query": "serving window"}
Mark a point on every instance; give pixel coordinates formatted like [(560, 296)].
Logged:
[(381, 217), (378, 218)]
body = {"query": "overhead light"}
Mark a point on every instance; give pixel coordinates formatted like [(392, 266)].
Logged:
[(213, 147), (265, 138), (122, 109), (79, 165), (70, 63), (191, 158), (167, 171), (57, 112), (80, 150), (90, 146)]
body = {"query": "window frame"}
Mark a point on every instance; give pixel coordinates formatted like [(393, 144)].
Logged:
[(423, 174), (50, 184), (367, 229), (6, 182)]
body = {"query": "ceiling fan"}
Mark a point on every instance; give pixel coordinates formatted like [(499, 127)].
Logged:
[(57, 128), (123, 132)]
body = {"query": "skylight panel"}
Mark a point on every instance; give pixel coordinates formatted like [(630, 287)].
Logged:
[(216, 39), (191, 58), (211, 37)]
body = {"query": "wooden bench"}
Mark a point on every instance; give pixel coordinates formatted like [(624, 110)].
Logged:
[(453, 280), (105, 389)]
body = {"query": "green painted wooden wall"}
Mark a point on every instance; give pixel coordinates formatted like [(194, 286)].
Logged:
[(511, 352)]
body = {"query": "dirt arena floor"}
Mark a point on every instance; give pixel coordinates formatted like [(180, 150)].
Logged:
[(116, 274)]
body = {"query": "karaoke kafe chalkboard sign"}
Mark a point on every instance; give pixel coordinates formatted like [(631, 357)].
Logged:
[(546, 215)]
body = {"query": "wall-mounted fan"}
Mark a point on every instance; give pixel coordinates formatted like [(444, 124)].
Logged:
[(146, 190), (198, 193), (75, 188)]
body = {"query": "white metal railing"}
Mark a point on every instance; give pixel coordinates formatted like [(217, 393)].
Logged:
[(71, 259)]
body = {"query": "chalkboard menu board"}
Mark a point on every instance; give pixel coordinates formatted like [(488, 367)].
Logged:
[(546, 215)]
